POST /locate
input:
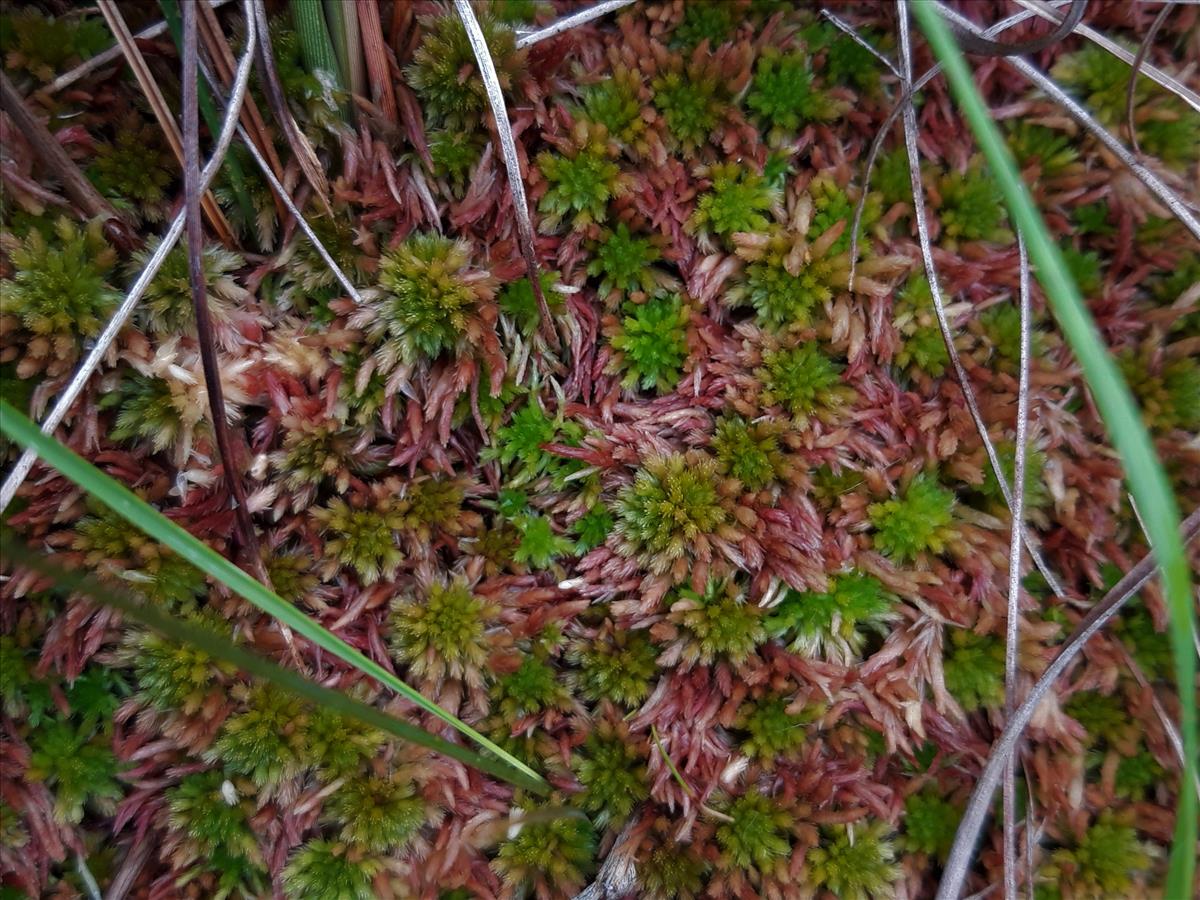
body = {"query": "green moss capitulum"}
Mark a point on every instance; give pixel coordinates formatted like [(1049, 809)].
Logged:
[(444, 634), (431, 297), (652, 343), (756, 835), (921, 520), (672, 507)]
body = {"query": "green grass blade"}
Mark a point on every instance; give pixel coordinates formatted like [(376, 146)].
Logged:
[(220, 647), (316, 45), (1147, 480), (137, 512)]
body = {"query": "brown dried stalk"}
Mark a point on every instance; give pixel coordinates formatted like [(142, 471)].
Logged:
[(162, 112), (51, 154), (375, 50), (204, 337), (1135, 70)]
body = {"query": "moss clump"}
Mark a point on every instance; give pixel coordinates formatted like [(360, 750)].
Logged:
[(783, 94), (783, 284), (922, 348), (833, 205), (44, 46), (377, 814), (147, 410), (756, 835), (581, 181), (181, 677), (444, 72), (23, 695), (201, 811), (78, 766), (854, 862), (750, 452), (1166, 128), (266, 739), (972, 207), (432, 505), (593, 528), (772, 731), (540, 544), (556, 853), (519, 303), (613, 775), (1102, 862), (651, 343), (1001, 325), (802, 380), (336, 745), (692, 104), (718, 624), (834, 624), (712, 22), (1053, 152), (329, 870), (616, 103), (533, 688), (921, 520), (454, 154), (443, 634), (619, 667), (362, 538), (1151, 648), (1037, 495), (167, 309), (1103, 716), (1168, 393), (623, 262), (973, 666), (671, 510), (135, 170), (520, 444), (319, 450), (59, 293), (930, 824), (673, 872), (735, 202), (431, 298)]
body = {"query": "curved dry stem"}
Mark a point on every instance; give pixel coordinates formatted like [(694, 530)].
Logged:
[(939, 304), (91, 362), (512, 164), (1155, 74), (1168, 197), (1135, 69), (849, 30), (566, 23), (983, 46), (112, 54), (1012, 632), (955, 873)]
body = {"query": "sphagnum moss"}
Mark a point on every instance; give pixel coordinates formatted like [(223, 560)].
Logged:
[(707, 553)]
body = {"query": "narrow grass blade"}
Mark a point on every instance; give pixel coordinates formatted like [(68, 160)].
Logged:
[(137, 512), (222, 648), (1144, 472), (316, 45)]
